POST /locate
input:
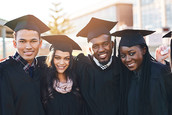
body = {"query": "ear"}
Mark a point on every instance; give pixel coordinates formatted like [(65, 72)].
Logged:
[(90, 50), (14, 43), (112, 43), (144, 51), (40, 43)]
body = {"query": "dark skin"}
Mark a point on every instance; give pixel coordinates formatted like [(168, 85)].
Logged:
[(132, 57), (101, 48)]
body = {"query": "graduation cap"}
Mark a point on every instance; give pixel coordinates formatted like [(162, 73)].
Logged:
[(29, 22), (169, 35), (131, 37), (95, 28), (61, 42)]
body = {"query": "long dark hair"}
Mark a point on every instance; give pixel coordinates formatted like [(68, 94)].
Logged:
[(144, 96), (50, 76)]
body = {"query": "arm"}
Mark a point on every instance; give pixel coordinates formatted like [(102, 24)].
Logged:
[(168, 86), (6, 101)]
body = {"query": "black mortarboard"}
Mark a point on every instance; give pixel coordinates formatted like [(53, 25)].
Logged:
[(61, 42), (96, 27), (131, 37), (169, 35), (29, 22)]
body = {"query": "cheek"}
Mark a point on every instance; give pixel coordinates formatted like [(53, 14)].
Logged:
[(123, 60), (139, 59), (67, 63), (93, 51), (55, 61), (36, 45)]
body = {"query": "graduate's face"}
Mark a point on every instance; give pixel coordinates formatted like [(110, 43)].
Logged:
[(132, 57), (61, 61), (101, 48), (27, 43)]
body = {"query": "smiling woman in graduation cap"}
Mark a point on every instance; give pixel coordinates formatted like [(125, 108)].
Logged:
[(143, 89), (60, 93)]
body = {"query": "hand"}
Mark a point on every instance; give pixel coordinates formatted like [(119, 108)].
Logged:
[(159, 57)]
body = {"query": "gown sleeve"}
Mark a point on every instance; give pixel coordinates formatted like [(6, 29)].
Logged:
[(168, 85), (7, 101)]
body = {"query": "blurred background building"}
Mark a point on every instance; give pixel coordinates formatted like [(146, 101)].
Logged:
[(137, 14)]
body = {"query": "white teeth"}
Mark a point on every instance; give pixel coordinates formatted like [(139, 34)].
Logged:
[(102, 55), (129, 65), (61, 67)]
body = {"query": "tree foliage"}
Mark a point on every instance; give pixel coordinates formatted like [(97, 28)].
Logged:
[(60, 23)]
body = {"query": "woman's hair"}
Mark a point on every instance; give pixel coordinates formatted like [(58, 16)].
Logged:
[(144, 99), (51, 75)]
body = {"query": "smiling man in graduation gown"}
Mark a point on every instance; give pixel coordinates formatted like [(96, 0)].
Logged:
[(20, 74), (98, 73)]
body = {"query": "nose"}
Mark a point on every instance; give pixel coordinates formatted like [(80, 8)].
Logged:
[(28, 45), (61, 61), (128, 58), (101, 48)]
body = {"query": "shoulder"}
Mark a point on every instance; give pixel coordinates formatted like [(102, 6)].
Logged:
[(81, 58), (158, 68), (41, 61), (7, 63)]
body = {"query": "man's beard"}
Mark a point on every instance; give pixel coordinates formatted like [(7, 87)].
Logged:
[(104, 62)]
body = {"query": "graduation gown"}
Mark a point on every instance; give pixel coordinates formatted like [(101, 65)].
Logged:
[(70, 103), (20, 94), (64, 104), (100, 88), (158, 92)]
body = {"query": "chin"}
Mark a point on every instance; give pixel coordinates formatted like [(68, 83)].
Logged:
[(103, 62)]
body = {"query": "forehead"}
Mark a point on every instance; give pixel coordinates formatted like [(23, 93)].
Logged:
[(100, 39), (132, 48), (24, 34), (61, 53)]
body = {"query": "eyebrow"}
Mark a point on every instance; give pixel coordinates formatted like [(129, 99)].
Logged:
[(25, 39), (60, 56), (130, 50)]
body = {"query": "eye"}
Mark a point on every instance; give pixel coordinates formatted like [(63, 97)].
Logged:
[(95, 46), (122, 55), (34, 41), (131, 53), (67, 58), (57, 58), (105, 44), (21, 41)]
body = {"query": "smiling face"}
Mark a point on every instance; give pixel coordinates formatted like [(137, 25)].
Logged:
[(61, 61), (101, 48), (27, 43), (132, 57)]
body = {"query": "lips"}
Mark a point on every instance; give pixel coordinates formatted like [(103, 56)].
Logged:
[(103, 55), (28, 53), (61, 67)]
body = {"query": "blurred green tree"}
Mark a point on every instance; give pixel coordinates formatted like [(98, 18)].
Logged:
[(60, 23)]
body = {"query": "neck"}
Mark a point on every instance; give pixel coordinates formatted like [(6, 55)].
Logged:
[(30, 62), (62, 77)]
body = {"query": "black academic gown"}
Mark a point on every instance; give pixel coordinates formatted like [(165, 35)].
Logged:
[(20, 94), (158, 92), (100, 88), (64, 104), (70, 103)]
